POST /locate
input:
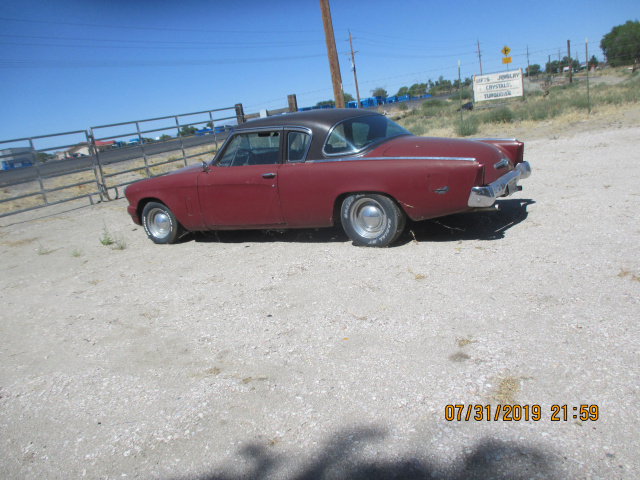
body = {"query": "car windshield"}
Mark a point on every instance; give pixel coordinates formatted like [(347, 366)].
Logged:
[(356, 134)]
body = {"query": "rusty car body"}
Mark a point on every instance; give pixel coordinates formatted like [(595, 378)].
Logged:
[(313, 168)]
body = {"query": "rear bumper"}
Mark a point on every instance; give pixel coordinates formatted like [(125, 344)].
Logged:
[(502, 187)]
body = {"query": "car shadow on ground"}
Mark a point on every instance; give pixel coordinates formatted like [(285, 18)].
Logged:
[(463, 226), (469, 226), (340, 458)]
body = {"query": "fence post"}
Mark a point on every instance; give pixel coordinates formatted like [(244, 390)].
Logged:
[(97, 167), (293, 103), (34, 156), (239, 113)]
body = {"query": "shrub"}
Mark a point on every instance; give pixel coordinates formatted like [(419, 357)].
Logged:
[(467, 126), (432, 108), (499, 115)]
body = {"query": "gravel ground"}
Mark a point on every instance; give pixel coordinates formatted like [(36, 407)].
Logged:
[(297, 355)]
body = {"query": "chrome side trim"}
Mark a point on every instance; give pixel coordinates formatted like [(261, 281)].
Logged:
[(353, 159), (502, 187), (498, 139)]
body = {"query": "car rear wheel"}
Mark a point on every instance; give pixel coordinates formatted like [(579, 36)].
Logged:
[(372, 220), (160, 223)]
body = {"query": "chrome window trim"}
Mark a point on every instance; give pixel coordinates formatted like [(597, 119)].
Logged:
[(353, 159), (355, 152), (236, 132), (306, 130)]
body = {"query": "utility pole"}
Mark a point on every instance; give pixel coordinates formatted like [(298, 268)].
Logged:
[(479, 56), (528, 66), (569, 55), (353, 63), (586, 54), (334, 66)]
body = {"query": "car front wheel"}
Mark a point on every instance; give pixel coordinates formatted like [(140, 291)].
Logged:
[(160, 223), (372, 220)]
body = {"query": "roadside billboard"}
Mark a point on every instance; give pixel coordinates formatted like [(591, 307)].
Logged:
[(498, 85)]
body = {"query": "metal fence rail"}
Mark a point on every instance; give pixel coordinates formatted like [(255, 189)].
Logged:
[(33, 177), (47, 170), (189, 136)]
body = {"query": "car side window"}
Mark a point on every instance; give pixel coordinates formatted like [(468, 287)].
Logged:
[(297, 145), (257, 148)]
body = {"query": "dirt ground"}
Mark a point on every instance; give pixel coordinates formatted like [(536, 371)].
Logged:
[(298, 355)]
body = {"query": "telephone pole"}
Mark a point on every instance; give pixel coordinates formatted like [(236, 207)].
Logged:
[(353, 63), (569, 55), (528, 66), (334, 66), (479, 56)]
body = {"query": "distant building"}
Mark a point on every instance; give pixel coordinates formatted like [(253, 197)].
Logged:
[(83, 149), (11, 158)]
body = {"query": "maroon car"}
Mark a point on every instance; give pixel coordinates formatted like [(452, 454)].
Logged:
[(308, 169)]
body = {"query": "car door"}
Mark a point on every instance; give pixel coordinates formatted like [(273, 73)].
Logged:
[(241, 188)]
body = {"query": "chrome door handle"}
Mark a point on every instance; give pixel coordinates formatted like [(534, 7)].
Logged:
[(268, 175)]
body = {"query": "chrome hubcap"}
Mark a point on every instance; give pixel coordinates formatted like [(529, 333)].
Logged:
[(159, 223), (368, 218)]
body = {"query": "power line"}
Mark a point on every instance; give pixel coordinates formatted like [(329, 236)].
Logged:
[(191, 43), (160, 29)]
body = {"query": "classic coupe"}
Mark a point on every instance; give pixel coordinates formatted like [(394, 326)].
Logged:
[(309, 169)]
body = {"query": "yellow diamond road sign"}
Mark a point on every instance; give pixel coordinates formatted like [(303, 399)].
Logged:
[(505, 51)]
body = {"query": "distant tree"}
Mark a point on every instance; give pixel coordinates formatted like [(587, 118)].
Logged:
[(403, 91), (209, 124), (533, 69), (593, 62), (553, 67), (379, 92), (164, 137), (186, 131), (417, 89), (621, 46), (347, 98), (43, 156)]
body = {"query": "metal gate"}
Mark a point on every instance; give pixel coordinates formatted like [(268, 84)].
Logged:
[(129, 151), (47, 170)]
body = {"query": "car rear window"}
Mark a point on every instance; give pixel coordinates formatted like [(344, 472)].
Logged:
[(356, 134)]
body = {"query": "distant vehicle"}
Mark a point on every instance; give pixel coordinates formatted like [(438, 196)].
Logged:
[(312, 169)]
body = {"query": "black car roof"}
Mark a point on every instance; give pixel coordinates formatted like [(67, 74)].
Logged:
[(322, 119), (318, 121)]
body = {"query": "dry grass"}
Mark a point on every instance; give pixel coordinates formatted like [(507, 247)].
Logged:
[(630, 275), (565, 104), (416, 276), (508, 388), (115, 174)]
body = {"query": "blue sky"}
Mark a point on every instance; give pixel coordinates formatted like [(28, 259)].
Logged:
[(69, 65)]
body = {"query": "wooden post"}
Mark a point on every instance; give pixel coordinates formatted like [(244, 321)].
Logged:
[(293, 103), (334, 66), (569, 55), (239, 114), (355, 78)]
